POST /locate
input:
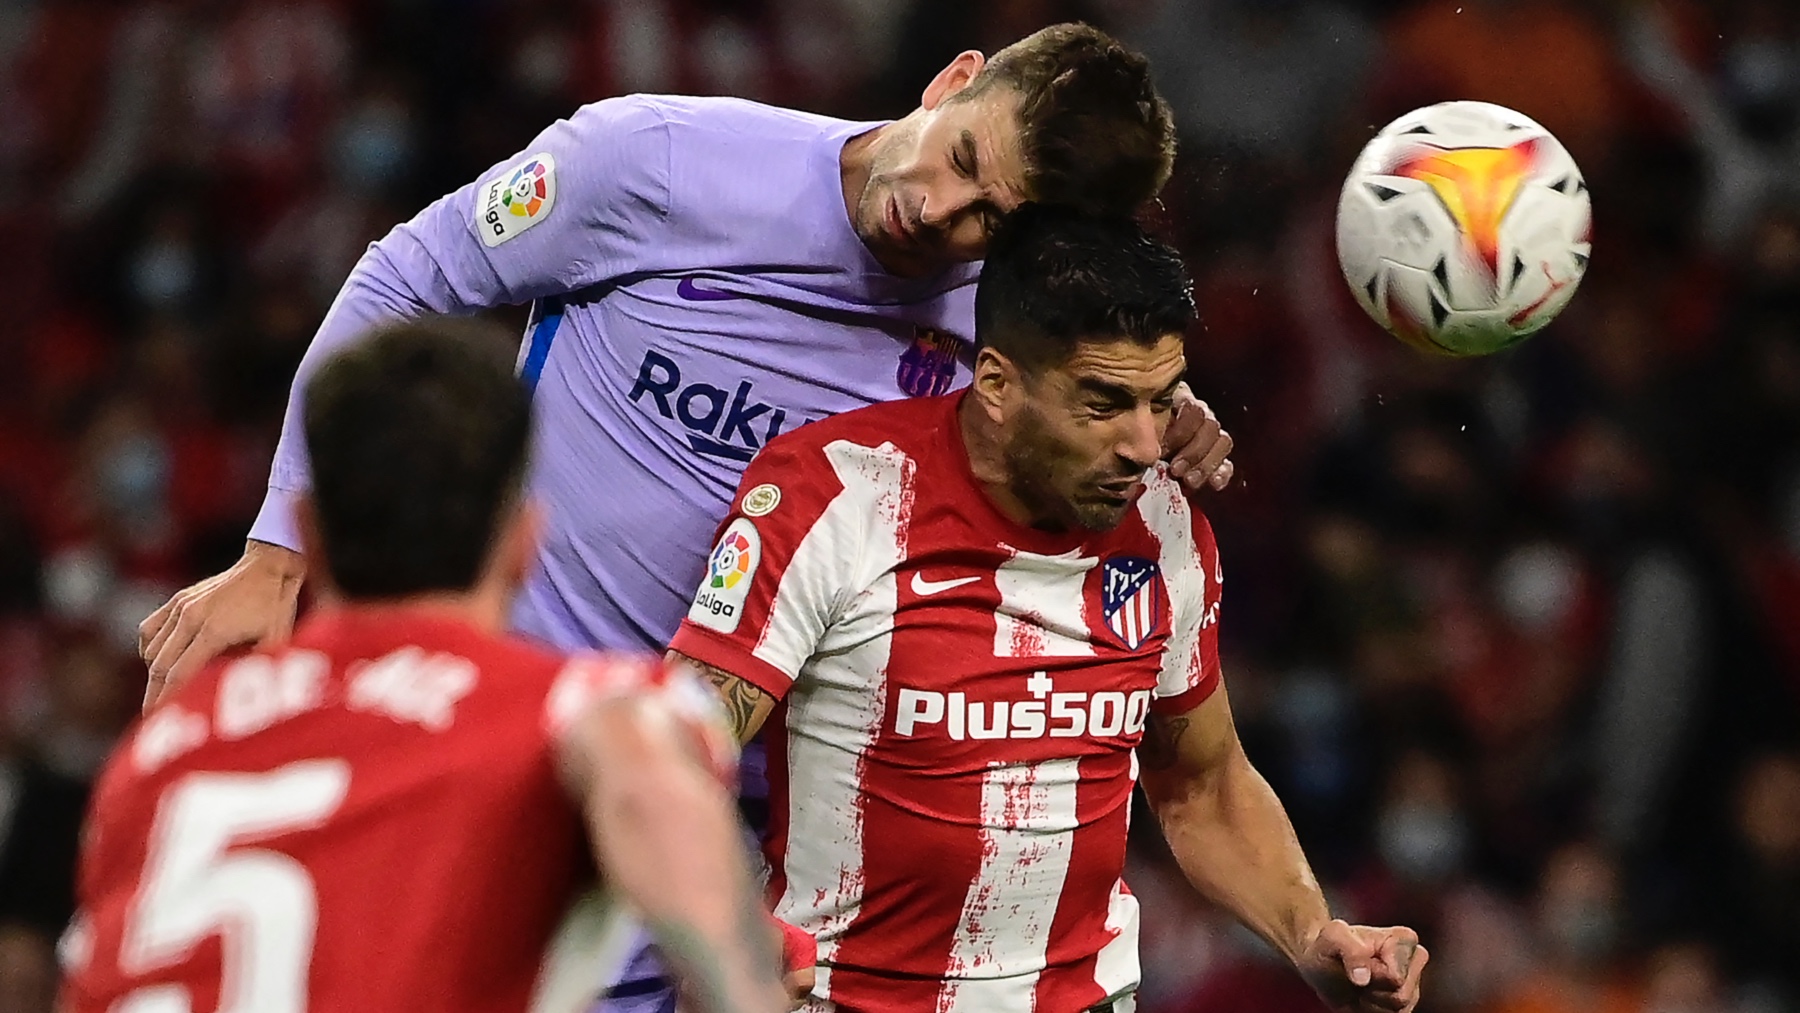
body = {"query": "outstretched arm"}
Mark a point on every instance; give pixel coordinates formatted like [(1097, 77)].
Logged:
[(1234, 842), (598, 186), (666, 836)]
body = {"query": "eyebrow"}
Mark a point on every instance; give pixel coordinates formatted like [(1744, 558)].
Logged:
[(1115, 392), (969, 152)]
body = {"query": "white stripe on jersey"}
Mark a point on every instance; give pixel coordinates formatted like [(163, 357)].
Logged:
[(840, 706), (1028, 821), (1041, 599), (1170, 520), (1116, 967)]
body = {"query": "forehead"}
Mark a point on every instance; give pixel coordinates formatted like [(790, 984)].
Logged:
[(991, 121), (1122, 362)]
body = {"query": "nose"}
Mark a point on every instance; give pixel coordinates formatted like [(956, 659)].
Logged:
[(940, 211), (1140, 442)]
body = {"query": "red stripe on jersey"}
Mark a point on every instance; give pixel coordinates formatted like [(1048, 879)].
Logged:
[(1079, 931)]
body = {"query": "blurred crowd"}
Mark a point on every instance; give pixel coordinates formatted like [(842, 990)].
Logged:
[(1517, 639)]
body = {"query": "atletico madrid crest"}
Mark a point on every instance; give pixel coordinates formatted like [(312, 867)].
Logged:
[(1131, 599)]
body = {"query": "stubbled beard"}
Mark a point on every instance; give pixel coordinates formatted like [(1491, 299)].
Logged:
[(1033, 457)]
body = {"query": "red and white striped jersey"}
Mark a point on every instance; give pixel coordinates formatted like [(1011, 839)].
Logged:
[(952, 765), (367, 818)]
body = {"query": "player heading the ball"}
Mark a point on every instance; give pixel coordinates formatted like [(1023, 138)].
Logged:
[(983, 610)]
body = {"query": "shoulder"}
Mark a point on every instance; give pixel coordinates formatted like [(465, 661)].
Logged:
[(907, 425), (693, 118)]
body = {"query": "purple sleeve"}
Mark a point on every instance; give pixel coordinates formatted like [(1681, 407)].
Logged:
[(580, 205)]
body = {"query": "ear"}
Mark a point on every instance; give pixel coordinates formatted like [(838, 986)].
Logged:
[(953, 78), (996, 383)]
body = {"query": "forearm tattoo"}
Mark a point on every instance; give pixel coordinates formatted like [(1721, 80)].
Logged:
[(1161, 744), (741, 699)]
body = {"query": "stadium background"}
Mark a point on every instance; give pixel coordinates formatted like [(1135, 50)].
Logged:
[(1517, 640)]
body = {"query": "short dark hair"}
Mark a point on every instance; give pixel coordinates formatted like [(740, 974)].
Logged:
[(418, 438), (1094, 132), (1054, 277)]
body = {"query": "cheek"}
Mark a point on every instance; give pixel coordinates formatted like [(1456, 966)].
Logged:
[(966, 240)]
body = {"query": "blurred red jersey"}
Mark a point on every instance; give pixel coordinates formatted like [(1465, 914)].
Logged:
[(368, 818)]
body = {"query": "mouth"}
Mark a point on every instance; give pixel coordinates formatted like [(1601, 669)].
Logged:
[(1118, 491), (896, 226)]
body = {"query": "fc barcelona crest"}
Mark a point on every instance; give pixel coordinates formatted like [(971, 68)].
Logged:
[(928, 367), (1132, 599)]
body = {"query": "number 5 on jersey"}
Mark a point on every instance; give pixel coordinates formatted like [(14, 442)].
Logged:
[(261, 902)]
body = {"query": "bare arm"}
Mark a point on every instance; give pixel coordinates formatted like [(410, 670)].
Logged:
[(1227, 829), (746, 704), (1234, 842), (666, 836)]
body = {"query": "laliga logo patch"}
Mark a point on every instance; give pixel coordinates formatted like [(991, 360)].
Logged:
[(1131, 599), (928, 367), (517, 199), (720, 603)]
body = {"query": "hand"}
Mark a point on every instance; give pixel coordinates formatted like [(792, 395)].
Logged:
[(251, 603), (1197, 448), (1356, 967)]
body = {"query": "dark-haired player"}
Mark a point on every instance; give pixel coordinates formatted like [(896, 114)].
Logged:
[(387, 812), (973, 616)]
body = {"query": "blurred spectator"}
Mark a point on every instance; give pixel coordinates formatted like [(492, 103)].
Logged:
[(1741, 99), (1757, 886), (27, 970), (1580, 917), (1259, 81)]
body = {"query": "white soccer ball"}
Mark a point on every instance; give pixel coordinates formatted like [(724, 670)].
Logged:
[(1463, 228)]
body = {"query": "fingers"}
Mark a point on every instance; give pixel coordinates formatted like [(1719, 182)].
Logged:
[(1350, 949), (172, 657), (1197, 446), (1395, 951), (1399, 994), (1216, 458), (1222, 477), (154, 628), (1415, 978), (1405, 995), (1190, 417), (1200, 452)]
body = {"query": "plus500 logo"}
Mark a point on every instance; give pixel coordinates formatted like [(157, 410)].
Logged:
[(1050, 714)]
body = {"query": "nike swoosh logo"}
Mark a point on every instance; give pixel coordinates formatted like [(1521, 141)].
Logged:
[(923, 587), (686, 289)]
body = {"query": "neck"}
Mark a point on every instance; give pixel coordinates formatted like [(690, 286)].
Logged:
[(855, 162), (482, 607), (987, 461)]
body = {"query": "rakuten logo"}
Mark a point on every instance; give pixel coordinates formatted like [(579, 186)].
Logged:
[(1048, 713)]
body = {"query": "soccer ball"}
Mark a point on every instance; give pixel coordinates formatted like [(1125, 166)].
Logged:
[(1463, 228)]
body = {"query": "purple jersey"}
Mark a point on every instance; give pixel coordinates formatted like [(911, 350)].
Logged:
[(697, 290)]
